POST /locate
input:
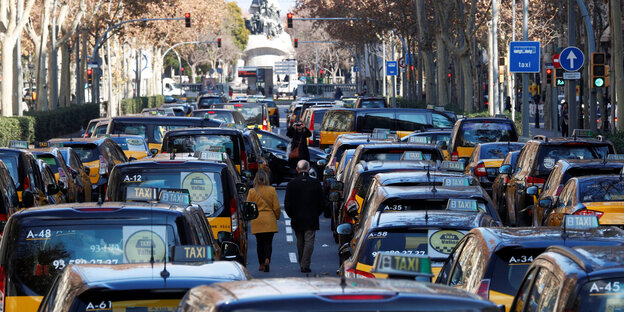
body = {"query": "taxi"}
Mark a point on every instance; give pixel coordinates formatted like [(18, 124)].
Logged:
[(491, 262), (273, 111), (499, 186), (256, 114), (487, 158), (53, 157), (98, 156), (573, 279), (224, 115), (598, 195), (49, 238), (469, 132), (432, 233), (87, 287), (564, 170), (78, 172), (133, 146), (210, 183), (25, 174), (352, 141)]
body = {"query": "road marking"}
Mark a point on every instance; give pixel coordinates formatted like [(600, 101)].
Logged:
[(293, 257), (288, 230), (289, 238), (285, 215), (287, 222)]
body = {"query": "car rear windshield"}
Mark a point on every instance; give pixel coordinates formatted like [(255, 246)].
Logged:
[(11, 162), (472, 133), (50, 160), (318, 119), (252, 114), (338, 121), (603, 190), (205, 102), (131, 144), (400, 242), (396, 154), (442, 120), (205, 188), (216, 115), (162, 300), (86, 152), (205, 142), (580, 172), (269, 103), (498, 151), (549, 155), (397, 204), (372, 103), (601, 295), (510, 265), (42, 252)]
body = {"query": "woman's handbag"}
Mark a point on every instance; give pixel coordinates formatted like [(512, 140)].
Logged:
[(294, 153)]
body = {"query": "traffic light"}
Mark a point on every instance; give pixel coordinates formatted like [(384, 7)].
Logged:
[(308, 72), (559, 82), (90, 76), (548, 76), (181, 69), (598, 70), (289, 17), (296, 43), (218, 42), (187, 19), (321, 72)]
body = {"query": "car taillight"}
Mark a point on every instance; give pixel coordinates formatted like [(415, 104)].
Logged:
[(103, 166), (587, 212), (355, 273), (238, 105), (455, 156), (234, 218), (507, 180), (2, 287), (484, 289), (26, 183), (243, 160), (265, 124), (350, 202), (480, 171), (534, 180), (359, 297)]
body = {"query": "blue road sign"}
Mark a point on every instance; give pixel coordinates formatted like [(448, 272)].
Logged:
[(571, 58), (392, 68), (355, 68), (524, 57)]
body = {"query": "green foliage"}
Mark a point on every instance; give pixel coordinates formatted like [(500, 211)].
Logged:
[(59, 122), (136, 105), (16, 128), (240, 33), (617, 139)]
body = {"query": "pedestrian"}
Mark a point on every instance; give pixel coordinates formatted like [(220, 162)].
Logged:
[(294, 93), (265, 226), (563, 119), (303, 203), (298, 144), (338, 94)]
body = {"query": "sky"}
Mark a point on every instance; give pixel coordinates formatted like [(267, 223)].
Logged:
[(285, 5)]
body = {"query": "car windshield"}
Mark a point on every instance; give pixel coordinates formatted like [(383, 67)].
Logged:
[(159, 131), (603, 190), (475, 132), (510, 265), (498, 151), (86, 152), (205, 102), (550, 155), (601, 295), (42, 252), (10, 160), (205, 188), (131, 144), (206, 142)]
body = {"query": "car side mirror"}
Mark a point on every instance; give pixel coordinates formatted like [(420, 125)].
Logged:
[(132, 159), (52, 189), (337, 186), (224, 236), (334, 197), (230, 251), (250, 211), (28, 199), (241, 188), (154, 151), (532, 190), (545, 203), (321, 163), (505, 169), (345, 229)]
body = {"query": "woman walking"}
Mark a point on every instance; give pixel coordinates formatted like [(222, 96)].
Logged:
[(299, 144), (265, 226)]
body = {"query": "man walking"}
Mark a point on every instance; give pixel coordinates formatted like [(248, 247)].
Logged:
[(304, 202)]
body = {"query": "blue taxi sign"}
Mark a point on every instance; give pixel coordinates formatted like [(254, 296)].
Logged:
[(524, 57), (455, 182), (457, 204), (402, 265), (452, 166), (412, 155), (575, 222), (18, 144), (419, 139), (192, 254), (615, 157), (175, 197), (141, 193)]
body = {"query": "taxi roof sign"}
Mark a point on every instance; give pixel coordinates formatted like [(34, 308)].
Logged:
[(412, 155), (210, 156), (575, 222), (175, 197), (141, 193), (419, 139), (457, 204), (43, 144), (402, 265), (18, 144), (615, 157), (381, 134), (456, 181), (192, 254), (581, 133), (452, 166)]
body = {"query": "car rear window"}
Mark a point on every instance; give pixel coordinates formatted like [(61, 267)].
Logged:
[(11, 162), (318, 118), (50, 160), (601, 295), (472, 133), (205, 102), (368, 121), (411, 121), (601, 190), (498, 151), (205, 142), (338, 121), (130, 129), (376, 103), (131, 144), (421, 204), (396, 154), (251, 113), (549, 155), (441, 120), (162, 300), (226, 117), (42, 252), (510, 265), (86, 152)]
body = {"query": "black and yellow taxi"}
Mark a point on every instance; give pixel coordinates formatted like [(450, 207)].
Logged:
[(98, 156), (535, 162), (564, 170), (53, 192), (351, 141), (468, 132), (153, 128), (487, 158), (491, 262), (25, 174), (256, 114), (9, 202), (39, 243), (211, 185), (426, 232), (596, 195), (586, 278), (133, 146), (330, 294), (274, 114), (53, 157), (499, 186), (235, 118), (78, 172)]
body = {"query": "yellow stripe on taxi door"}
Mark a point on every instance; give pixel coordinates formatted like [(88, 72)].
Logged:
[(501, 298), (22, 303), (219, 224)]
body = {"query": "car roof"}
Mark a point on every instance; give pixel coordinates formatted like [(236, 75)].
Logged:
[(208, 130), (501, 144), (443, 192), (491, 119), (394, 165), (560, 141), (590, 163), (430, 131), (415, 176), (98, 210), (374, 146), (79, 140), (593, 260), (597, 178), (165, 162), (431, 218), (14, 150)]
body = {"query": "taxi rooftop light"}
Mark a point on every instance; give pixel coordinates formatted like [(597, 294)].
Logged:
[(452, 166), (580, 222), (455, 182), (141, 194), (192, 254), (175, 197), (403, 266), (419, 139), (18, 144), (456, 204), (615, 157), (210, 156), (412, 155)]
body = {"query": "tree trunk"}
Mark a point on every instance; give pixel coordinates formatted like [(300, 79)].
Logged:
[(7, 76), (468, 86), (65, 90), (442, 68), (53, 72)]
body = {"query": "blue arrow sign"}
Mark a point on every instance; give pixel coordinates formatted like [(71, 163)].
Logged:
[(571, 59), (524, 57), (392, 68)]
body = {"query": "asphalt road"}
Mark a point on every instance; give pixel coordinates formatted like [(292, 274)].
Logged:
[(284, 259)]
